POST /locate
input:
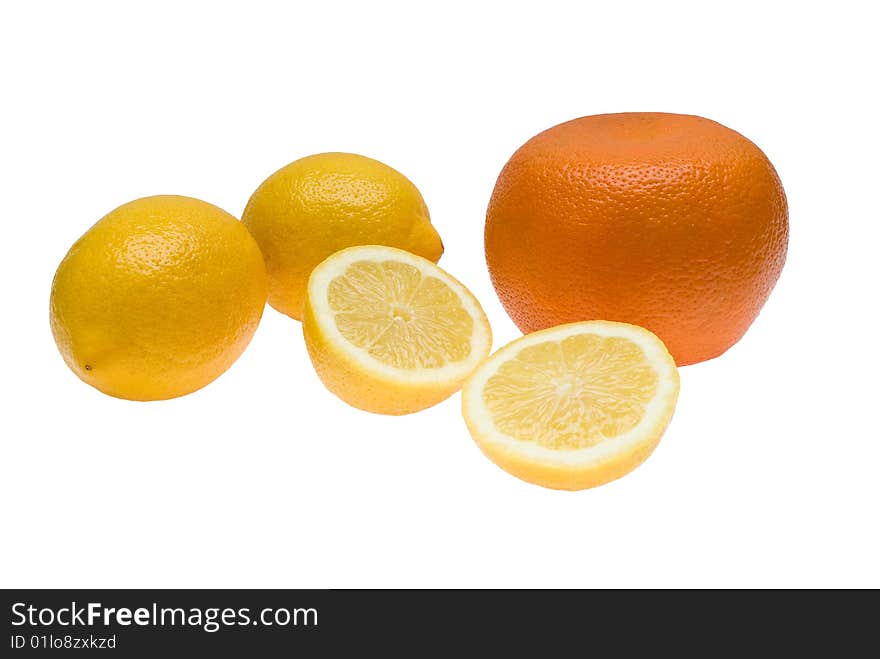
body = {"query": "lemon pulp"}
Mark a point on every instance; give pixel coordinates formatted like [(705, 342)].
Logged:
[(573, 406), (572, 393), (400, 316), (390, 332)]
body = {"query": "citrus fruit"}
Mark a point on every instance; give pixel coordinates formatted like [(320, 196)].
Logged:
[(389, 331), (573, 406), (320, 204), (158, 298), (671, 222)]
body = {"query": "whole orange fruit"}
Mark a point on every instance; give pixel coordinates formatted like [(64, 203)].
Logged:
[(668, 221)]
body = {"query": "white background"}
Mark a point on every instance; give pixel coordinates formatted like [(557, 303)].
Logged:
[(768, 475)]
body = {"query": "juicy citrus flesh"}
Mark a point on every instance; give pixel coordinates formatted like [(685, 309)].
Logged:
[(158, 298), (400, 316), (670, 222), (571, 393), (573, 406), (326, 202), (389, 331)]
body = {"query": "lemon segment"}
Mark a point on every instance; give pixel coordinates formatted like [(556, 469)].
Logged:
[(573, 406), (389, 331)]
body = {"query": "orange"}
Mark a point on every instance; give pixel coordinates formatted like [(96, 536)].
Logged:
[(671, 222)]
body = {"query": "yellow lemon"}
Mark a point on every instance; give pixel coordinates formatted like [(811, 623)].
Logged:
[(389, 331), (320, 204), (158, 298), (573, 406)]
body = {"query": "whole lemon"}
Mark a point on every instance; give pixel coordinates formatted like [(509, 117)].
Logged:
[(158, 298), (323, 203)]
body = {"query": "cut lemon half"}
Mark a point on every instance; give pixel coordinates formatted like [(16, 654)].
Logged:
[(573, 406), (389, 331)]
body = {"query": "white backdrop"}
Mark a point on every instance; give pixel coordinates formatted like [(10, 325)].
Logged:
[(768, 475)]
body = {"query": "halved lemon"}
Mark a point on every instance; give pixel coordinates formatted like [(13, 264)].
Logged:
[(390, 332), (573, 406)]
